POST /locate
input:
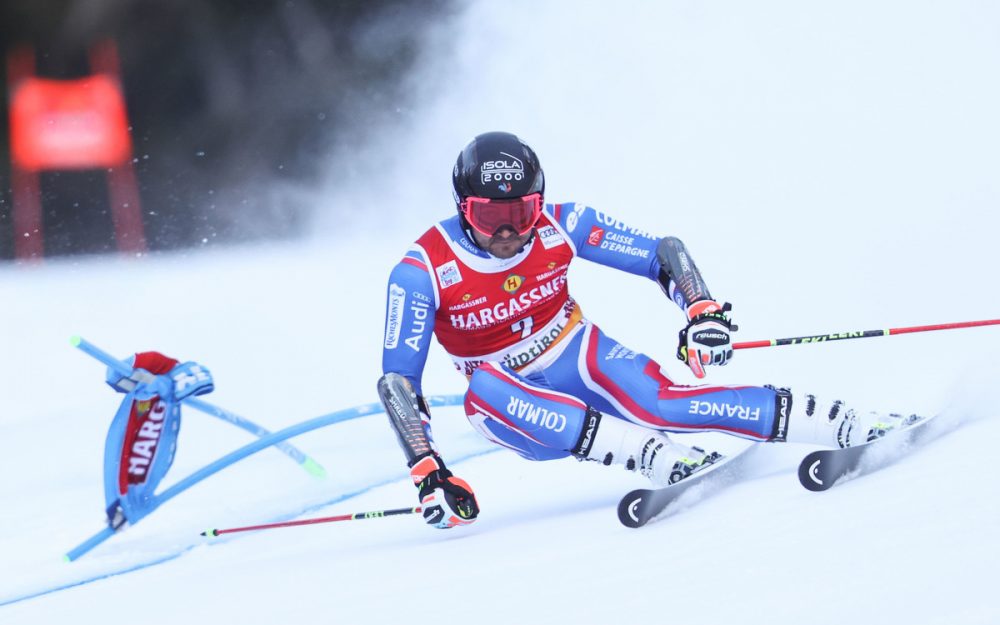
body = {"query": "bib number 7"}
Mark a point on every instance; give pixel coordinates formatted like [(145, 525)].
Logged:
[(523, 326)]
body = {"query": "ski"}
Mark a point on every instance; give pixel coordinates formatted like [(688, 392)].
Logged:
[(640, 506), (822, 470)]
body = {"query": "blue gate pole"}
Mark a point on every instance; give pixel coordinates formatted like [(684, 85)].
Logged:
[(310, 465)]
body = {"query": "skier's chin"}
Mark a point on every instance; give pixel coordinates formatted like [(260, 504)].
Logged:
[(504, 244), (506, 248)]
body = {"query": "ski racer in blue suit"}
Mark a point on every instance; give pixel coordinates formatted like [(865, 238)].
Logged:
[(544, 381)]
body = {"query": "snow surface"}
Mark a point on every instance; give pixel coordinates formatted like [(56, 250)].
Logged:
[(831, 166)]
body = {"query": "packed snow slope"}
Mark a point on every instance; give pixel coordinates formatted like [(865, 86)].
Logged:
[(831, 168)]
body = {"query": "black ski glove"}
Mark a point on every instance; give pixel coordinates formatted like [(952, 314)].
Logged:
[(706, 339), (446, 500)]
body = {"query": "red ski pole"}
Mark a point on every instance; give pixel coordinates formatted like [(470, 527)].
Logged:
[(863, 334), (375, 514)]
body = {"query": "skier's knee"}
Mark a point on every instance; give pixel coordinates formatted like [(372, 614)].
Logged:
[(548, 418)]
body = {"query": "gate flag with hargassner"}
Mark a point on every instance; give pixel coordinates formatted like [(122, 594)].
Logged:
[(142, 439)]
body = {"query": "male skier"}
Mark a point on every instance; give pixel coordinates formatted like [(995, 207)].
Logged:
[(544, 381)]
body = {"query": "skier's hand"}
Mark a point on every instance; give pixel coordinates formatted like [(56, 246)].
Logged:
[(706, 341), (446, 500)]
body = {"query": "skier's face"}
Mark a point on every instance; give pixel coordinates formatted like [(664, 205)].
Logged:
[(505, 242), (502, 227)]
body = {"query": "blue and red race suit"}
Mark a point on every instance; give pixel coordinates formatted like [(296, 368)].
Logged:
[(534, 361)]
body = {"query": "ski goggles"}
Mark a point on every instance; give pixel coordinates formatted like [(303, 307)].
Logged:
[(489, 215)]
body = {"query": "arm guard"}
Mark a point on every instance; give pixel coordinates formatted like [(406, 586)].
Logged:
[(408, 415), (679, 277)]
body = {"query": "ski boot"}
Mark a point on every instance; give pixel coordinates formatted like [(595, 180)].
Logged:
[(652, 453), (835, 424)]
